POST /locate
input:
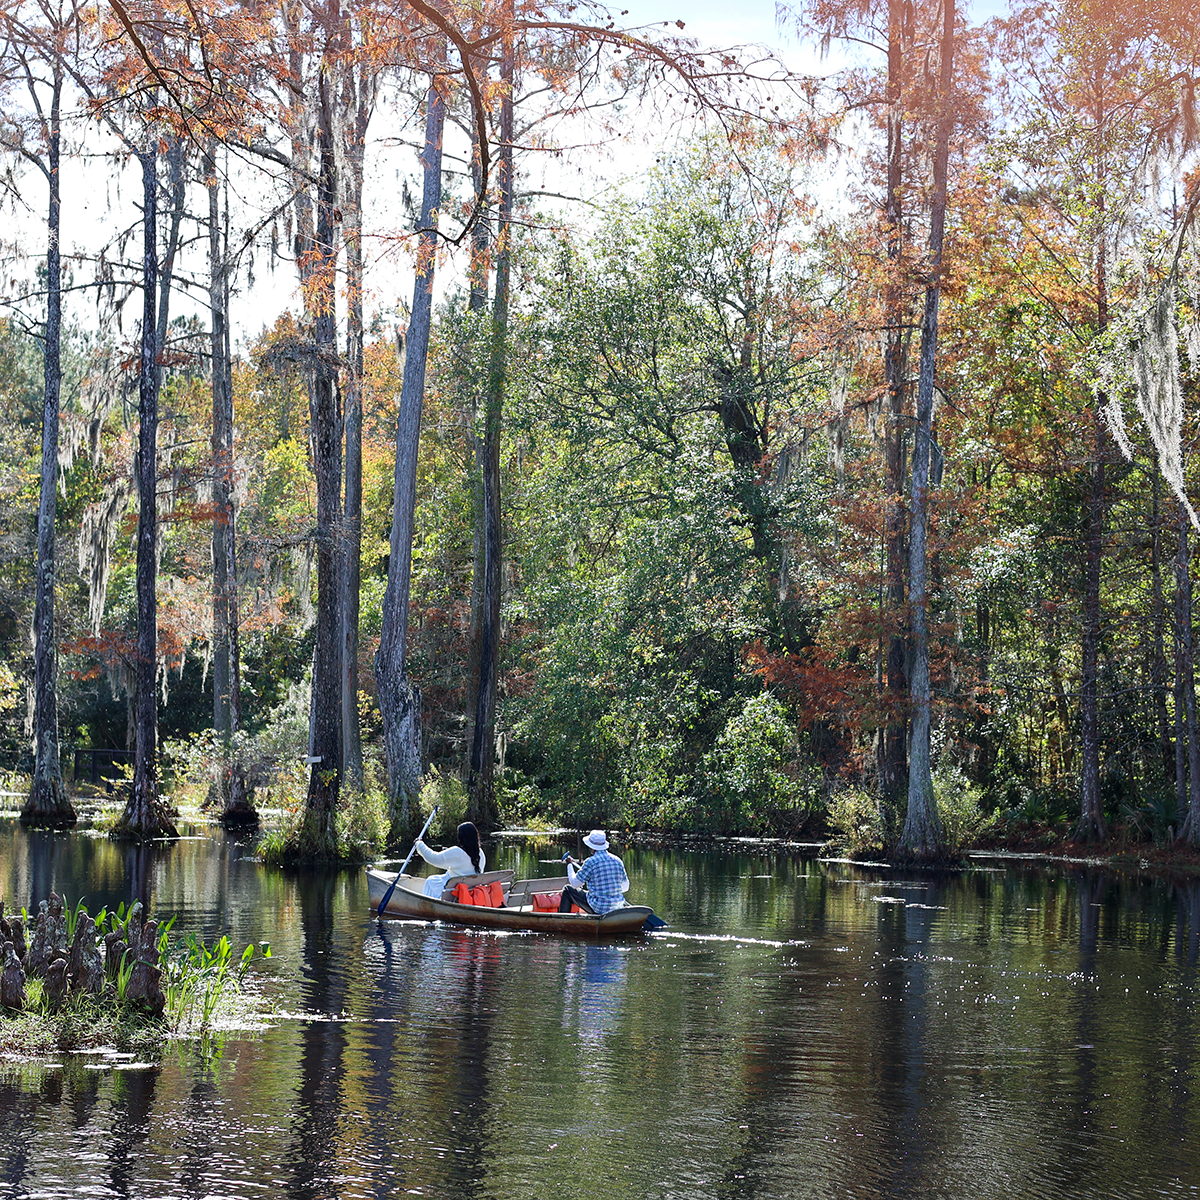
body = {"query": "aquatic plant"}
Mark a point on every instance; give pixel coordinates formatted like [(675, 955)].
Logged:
[(199, 976), (84, 980)]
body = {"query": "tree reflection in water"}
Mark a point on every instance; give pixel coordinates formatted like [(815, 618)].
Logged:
[(818, 1029)]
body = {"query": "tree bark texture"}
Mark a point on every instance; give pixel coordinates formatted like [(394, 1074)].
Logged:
[(175, 156), (481, 789), (1091, 817), (1158, 656), (399, 698), (359, 101), (1190, 826), (237, 810), (221, 440), (477, 298), (145, 815), (48, 805), (318, 837), (893, 758), (922, 835)]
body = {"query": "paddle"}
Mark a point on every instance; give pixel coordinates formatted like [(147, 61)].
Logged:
[(392, 886)]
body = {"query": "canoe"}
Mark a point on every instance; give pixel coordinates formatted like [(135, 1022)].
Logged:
[(408, 900)]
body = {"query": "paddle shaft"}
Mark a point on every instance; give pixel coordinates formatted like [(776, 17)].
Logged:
[(392, 886)]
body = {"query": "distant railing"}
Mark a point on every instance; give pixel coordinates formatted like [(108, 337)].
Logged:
[(100, 766)]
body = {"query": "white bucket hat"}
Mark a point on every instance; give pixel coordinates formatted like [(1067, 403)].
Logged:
[(596, 840)]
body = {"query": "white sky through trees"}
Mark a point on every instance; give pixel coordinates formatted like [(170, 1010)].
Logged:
[(101, 193)]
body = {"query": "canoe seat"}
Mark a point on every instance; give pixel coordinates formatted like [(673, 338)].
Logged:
[(521, 894), (504, 878)]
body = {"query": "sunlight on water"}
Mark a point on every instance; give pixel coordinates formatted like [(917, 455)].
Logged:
[(801, 1029)]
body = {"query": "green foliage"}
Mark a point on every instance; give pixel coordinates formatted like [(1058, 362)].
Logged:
[(360, 825), (449, 794), (1153, 819), (197, 977), (959, 809), (754, 778), (635, 643), (197, 980), (856, 822), (363, 819), (862, 825)]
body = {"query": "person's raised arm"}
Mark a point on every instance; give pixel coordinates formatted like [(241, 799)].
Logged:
[(571, 872)]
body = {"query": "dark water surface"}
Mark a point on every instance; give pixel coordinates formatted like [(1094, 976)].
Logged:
[(802, 1029)]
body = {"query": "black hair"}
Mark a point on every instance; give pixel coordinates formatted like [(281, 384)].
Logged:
[(468, 839)]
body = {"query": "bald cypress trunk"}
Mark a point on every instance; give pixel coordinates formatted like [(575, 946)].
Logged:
[(1190, 828), (359, 105), (145, 815), (399, 698), (317, 839), (48, 804), (237, 809), (922, 835), (893, 746), (481, 786)]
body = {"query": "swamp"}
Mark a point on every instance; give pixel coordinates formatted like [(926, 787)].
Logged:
[(804, 1027), (768, 437)]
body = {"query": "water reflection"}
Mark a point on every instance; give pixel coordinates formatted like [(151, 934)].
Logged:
[(804, 1029), (1187, 925), (593, 993), (133, 1094)]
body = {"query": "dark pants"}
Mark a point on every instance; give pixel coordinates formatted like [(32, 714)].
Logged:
[(573, 895)]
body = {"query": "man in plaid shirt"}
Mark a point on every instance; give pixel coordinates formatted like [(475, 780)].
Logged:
[(603, 874)]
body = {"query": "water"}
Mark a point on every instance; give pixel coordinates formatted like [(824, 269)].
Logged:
[(803, 1029)]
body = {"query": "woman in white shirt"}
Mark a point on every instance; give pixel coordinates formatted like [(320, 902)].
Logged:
[(465, 858)]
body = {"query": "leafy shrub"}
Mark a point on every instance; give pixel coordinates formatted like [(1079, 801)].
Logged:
[(267, 759), (521, 804), (1155, 819), (755, 780), (855, 819), (958, 807), (449, 793)]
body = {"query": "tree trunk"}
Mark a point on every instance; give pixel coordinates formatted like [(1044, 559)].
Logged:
[(352, 754), (1158, 656), (477, 298), (893, 758), (481, 803), (317, 838), (1190, 828), (175, 193), (922, 836), (48, 805), (237, 811), (145, 815), (399, 699), (222, 723), (1091, 817)]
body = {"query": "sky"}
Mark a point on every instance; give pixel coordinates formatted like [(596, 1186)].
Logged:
[(586, 174), (717, 23), (99, 200)]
